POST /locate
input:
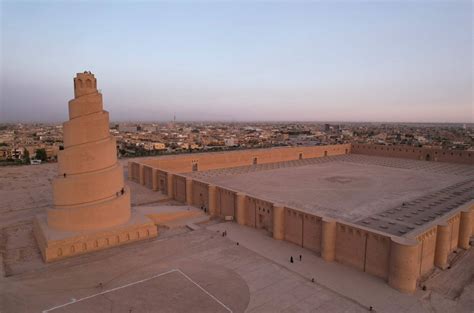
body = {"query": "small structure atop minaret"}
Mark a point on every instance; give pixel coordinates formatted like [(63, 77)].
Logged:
[(91, 201), (84, 84)]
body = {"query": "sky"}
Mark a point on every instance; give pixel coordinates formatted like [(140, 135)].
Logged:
[(390, 61)]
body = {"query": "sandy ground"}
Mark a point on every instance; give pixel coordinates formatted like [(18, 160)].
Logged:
[(239, 278), (26, 191)]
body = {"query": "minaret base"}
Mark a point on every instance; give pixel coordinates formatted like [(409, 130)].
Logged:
[(57, 244)]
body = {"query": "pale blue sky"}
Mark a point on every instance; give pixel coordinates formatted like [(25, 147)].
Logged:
[(351, 61)]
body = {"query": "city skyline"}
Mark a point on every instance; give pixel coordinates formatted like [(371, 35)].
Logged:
[(309, 61)]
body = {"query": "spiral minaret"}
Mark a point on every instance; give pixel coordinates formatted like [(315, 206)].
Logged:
[(91, 203), (89, 191)]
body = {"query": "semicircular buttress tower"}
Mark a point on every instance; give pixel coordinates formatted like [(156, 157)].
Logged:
[(91, 201)]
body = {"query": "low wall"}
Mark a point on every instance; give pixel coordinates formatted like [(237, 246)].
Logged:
[(409, 152), (207, 161)]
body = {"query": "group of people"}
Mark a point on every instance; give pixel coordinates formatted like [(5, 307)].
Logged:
[(291, 258)]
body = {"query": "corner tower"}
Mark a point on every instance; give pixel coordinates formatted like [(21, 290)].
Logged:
[(91, 203)]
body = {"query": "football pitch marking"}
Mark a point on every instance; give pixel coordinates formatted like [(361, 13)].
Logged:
[(73, 301)]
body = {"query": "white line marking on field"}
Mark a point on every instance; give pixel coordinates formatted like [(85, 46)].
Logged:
[(139, 282), (109, 290), (210, 295)]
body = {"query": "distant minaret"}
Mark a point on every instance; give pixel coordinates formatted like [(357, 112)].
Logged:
[(173, 124)]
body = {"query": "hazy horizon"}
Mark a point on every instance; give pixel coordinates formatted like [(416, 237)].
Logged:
[(250, 122), (354, 62)]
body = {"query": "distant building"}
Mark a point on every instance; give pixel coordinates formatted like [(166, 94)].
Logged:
[(4, 153), (150, 128), (128, 128), (154, 146), (230, 142), (17, 153), (159, 146)]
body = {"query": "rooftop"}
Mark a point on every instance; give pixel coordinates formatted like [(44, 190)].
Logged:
[(391, 195)]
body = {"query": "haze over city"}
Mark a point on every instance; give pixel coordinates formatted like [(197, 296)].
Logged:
[(243, 61)]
